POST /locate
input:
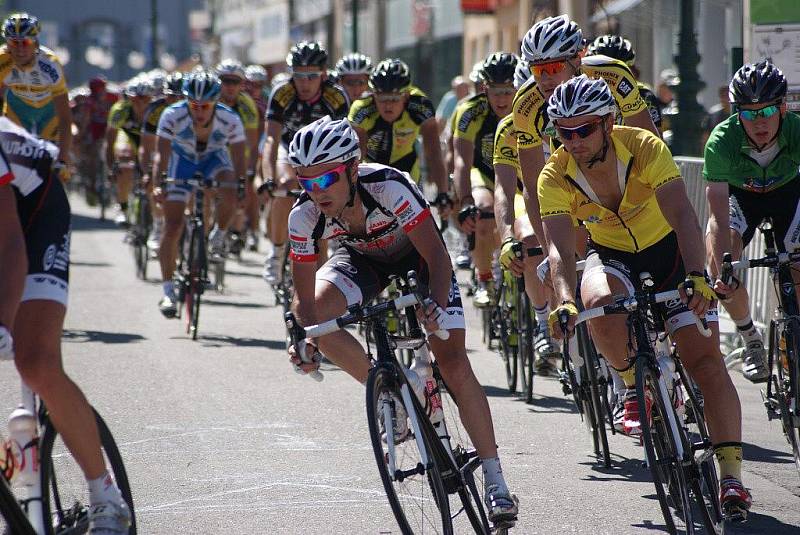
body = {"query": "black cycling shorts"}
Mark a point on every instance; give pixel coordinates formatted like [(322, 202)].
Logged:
[(45, 219), (664, 263), (748, 209), (361, 279)]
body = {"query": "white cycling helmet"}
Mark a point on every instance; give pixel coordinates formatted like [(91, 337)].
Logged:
[(324, 141), (552, 39), (521, 73), (139, 86), (229, 67), (581, 96), (354, 63), (255, 73)]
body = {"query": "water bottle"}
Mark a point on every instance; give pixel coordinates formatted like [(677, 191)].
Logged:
[(667, 366), (432, 401), (24, 446)]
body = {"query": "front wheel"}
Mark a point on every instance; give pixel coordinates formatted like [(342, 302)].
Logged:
[(415, 491), (65, 498)]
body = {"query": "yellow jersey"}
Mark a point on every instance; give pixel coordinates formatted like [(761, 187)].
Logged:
[(644, 164), (246, 109), (530, 106), (505, 147)]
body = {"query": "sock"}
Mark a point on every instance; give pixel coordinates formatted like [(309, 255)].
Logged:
[(747, 330), (542, 313), (493, 474), (729, 457), (169, 288), (104, 489), (278, 250), (628, 376), (485, 276)]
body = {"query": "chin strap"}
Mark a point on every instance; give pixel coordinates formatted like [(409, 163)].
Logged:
[(768, 143), (601, 154)]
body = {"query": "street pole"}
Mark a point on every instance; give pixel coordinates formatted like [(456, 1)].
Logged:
[(686, 129), (355, 25), (154, 33)]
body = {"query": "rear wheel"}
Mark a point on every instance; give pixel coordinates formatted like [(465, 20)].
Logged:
[(65, 497)]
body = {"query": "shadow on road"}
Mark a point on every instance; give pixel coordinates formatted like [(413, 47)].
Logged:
[(84, 224), (496, 392), (78, 335), (757, 523), (229, 271), (621, 469), (222, 340), (650, 525), (552, 404), (754, 452), (235, 304), (89, 264)]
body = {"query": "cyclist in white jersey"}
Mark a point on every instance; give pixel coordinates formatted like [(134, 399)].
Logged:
[(194, 136)]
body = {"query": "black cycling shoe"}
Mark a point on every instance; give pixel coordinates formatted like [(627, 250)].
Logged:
[(168, 307)]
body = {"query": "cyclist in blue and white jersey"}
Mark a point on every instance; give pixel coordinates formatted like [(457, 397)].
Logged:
[(194, 136)]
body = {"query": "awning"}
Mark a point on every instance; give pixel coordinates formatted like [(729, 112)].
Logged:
[(614, 8)]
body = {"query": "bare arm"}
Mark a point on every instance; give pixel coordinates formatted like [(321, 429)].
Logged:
[(64, 113), (270, 156), (252, 143), (162, 159), (505, 179), (680, 214), (462, 166), (237, 151), (427, 241), (718, 222), (303, 279), (111, 139), (14, 266), (560, 237), (433, 154), (642, 120), (147, 149), (532, 162)]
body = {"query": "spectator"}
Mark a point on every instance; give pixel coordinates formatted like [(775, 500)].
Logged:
[(718, 113), (459, 90)]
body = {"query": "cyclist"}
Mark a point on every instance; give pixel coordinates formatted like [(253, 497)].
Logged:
[(93, 112), (257, 86), (171, 91), (623, 183), (384, 227), (305, 97), (33, 85), (617, 47), (36, 218), (122, 140), (232, 75), (513, 225), (389, 121), (751, 165), (554, 48), (195, 135), (353, 71)]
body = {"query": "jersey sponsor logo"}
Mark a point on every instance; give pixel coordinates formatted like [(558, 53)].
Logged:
[(408, 227), (24, 148), (524, 138), (49, 70), (609, 76), (625, 87), (403, 207), (508, 152), (631, 107)]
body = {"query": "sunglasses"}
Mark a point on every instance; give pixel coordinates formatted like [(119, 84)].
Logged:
[(551, 67), (230, 80), (389, 97), (307, 75), (581, 131), (21, 42), (198, 105), (766, 112), (500, 91), (322, 182)]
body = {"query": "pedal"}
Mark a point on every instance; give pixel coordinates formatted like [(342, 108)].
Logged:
[(734, 514), (771, 404)]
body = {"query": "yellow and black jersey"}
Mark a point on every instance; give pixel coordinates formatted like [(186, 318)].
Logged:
[(247, 110), (293, 114), (122, 117), (505, 147), (152, 114), (476, 122), (530, 106), (393, 144)]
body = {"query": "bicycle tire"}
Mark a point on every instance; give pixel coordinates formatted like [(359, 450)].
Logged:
[(140, 233), (526, 352), (424, 482), (16, 521), (660, 448), (786, 381), (502, 321), (75, 514), (195, 280), (597, 409)]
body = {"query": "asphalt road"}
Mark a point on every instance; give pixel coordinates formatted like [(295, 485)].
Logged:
[(221, 436)]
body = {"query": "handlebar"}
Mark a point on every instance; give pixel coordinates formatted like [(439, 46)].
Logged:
[(271, 188)]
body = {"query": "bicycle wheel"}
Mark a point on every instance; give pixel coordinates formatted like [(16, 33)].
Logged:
[(505, 327), (786, 381), (65, 497), (12, 517), (196, 280), (661, 445), (597, 409), (139, 233), (466, 459), (525, 353), (415, 491)]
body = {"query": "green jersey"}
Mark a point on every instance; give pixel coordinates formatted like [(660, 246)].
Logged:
[(728, 157)]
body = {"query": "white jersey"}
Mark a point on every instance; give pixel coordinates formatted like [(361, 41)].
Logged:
[(393, 206), (176, 125), (29, 158)]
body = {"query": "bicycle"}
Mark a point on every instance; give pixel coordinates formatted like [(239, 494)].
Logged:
[(680, 458), (436, 460), (56, 501), (781, 396), (282, 288), (139, 230)]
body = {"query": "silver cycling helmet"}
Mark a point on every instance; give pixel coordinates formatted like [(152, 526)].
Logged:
[(521, 73), (230, 67), (581, 96), (552, 39), (324, 141), (354, 63), (256, 73)]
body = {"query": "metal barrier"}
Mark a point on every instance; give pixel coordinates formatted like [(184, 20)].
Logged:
[(757, 281)]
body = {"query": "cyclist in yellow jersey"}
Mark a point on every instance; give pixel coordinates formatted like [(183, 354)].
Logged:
[(390, 120), (33, 85), (624, 184), (554, 48), (513, 225), (123, 135), (232, 75)]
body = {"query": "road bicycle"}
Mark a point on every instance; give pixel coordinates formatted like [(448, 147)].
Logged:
[(43, 491), (432, 476), (678, 450), (139, 230), (781, 395)]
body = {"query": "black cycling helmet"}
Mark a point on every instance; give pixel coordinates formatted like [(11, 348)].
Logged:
[(307, 54), (174, 84), (757, 83), (390, 75), (613, 46), (498, 68)]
